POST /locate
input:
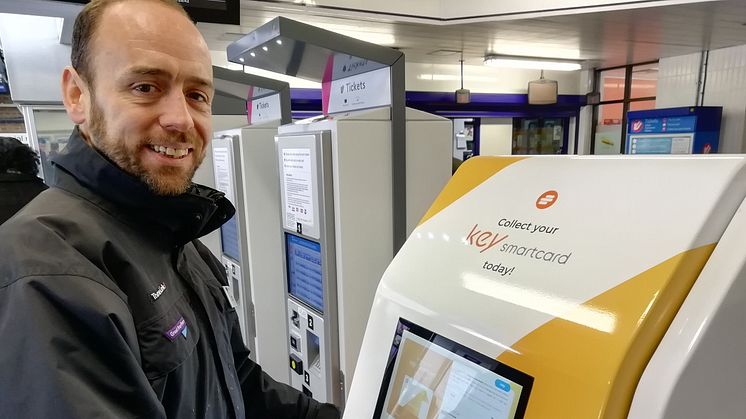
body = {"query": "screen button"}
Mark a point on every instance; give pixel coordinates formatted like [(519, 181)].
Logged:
[(296, 364)]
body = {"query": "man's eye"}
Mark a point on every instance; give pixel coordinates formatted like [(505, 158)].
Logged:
[(200, 97), (144, 88)]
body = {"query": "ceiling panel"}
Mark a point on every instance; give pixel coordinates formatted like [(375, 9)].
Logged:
[(600, 39)]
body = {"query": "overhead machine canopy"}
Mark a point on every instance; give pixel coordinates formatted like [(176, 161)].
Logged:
[(296, 49), (261, 99)]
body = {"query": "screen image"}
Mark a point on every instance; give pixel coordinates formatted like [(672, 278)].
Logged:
[(431, 377), (229, 239), (305, 277)]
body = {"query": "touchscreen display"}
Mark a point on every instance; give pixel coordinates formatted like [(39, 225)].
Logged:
[(304, 271), (431, 377), (229, 239)]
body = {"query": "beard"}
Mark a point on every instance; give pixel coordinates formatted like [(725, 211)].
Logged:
[(161, 180)]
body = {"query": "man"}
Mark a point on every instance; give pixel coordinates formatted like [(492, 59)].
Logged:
[(109, 306), (18, 181)]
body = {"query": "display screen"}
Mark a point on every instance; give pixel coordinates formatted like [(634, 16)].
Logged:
[(431, 377), (229, 239), (305, 277)]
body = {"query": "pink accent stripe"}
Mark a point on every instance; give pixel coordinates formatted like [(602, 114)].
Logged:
[(249, 101), (326, 85)]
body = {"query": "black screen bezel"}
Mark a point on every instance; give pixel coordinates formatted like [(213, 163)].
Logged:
[(477, 358)]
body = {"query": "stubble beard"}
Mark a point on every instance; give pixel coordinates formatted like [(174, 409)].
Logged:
[(165, 180)]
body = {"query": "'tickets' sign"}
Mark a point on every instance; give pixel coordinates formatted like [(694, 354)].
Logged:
[(352, 83), (263, 110)]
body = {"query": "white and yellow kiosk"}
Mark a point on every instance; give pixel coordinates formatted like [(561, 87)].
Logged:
[(566, 288)]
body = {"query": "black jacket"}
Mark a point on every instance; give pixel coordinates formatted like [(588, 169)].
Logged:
[(16, 190), (110, 307)]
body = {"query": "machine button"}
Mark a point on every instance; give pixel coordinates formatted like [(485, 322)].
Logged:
[(296, 364), (310, 322), (295, 343), (307, 378), (296, 319), (307, 392)]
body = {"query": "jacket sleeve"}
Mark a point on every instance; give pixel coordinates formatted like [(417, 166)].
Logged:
[(263, 396), (70, 351)]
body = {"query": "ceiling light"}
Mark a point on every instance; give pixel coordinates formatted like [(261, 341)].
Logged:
[(509, 61), (253, 54), (241, 59), (279, 42), (265, 48)]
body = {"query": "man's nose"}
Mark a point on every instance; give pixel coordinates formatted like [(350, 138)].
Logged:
[(175, 115)]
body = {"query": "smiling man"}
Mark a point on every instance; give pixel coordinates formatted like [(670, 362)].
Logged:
[(109, 305)]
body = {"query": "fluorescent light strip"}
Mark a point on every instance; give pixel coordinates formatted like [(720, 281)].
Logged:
[(529, 63)]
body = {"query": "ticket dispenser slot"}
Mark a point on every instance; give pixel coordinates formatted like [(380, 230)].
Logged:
[(309, 261)]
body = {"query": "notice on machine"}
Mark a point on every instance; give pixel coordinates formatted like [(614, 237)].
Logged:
[(297, 186), (223, 172)]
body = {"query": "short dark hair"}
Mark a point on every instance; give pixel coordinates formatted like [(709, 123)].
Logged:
[(17, 157), (85, 28)]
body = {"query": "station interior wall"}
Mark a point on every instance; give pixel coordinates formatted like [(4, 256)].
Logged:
[(35, 78), (725, 85)]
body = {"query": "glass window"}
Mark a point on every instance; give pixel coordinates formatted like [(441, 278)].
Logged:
[(608, 132), (642, 105), (538, 136), (53, 129), (611, 84), (644, 81)]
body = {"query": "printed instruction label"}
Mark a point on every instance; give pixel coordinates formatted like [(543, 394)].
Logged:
[(297, 186)]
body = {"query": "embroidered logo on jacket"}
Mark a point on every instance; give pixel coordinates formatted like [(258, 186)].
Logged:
[(158, 292), (179, 328)]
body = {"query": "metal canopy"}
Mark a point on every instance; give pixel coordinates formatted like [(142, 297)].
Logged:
[(296, 49), (234, 88), (289, 47)]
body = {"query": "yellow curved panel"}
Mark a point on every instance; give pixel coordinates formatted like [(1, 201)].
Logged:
[(582, 372), (468, 176)]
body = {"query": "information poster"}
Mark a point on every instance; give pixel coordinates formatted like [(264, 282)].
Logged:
[(223, 172), (297, 184)]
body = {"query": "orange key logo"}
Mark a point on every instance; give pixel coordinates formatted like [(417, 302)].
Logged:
[(547, 199)]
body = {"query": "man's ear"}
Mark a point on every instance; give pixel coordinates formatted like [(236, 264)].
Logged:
[(75, 96)]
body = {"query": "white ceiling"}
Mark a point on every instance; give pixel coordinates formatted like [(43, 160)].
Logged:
[(600, 39)]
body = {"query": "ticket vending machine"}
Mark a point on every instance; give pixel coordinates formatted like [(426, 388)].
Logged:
[(245, 169), (534, 289), (379, 166), (309, 255)]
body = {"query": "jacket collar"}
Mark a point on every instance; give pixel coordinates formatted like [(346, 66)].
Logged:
[(184, 217)]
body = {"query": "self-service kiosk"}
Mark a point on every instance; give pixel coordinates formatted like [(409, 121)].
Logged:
[(245, 169), (566, 288), (353, 183), (335, 181)]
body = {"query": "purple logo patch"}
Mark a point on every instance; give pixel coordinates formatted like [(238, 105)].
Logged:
[(176, 329)]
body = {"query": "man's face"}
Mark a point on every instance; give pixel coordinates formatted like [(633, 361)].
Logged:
[(150, 94)]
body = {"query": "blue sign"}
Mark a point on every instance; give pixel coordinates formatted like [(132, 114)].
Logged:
[(663, 125)]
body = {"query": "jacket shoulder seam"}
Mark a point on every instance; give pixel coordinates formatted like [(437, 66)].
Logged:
[(93, 280)]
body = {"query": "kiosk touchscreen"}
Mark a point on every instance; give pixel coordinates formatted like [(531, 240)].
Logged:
[(430, 376), (305, 278)]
